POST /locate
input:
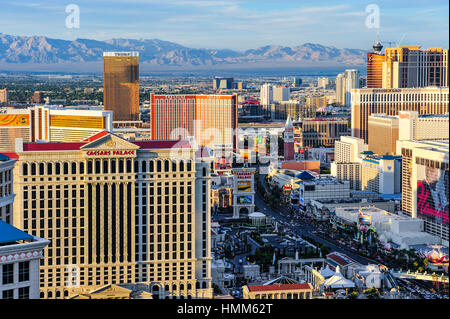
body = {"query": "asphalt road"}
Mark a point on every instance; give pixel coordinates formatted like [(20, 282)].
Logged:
[(306, 230)]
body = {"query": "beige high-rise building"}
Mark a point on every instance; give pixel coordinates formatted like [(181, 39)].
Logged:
[(3, 96), (340, 89), (383, 133), (318, 132), (347, 160), (413, 126), (117, 212), (429, 100), (384, 130)]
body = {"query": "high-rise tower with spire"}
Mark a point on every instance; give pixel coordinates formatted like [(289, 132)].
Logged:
[(289, 140)]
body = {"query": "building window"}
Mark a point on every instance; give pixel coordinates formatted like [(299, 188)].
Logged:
[(8, 294), (8, 274), (24, 271), (24, 293)]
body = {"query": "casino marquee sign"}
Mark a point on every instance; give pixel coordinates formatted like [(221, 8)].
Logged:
[(110, 147), (111, 153)]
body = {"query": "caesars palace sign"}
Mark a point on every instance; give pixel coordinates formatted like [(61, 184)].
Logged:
[(111, 153)]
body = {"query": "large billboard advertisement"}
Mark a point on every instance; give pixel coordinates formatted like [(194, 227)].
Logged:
[(244, 199), (432, 194), (244, 186), (14, 120), (97, 122), (365, 219)]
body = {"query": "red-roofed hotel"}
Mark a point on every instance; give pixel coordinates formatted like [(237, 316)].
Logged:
[(278, 291), (116, 212), (180, 116)]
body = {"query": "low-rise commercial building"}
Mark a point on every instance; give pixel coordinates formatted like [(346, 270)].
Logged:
[(278, 291), (401, 230), (322, 188), (319, 132)]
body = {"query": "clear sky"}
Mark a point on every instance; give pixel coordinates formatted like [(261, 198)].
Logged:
[(235, 24)]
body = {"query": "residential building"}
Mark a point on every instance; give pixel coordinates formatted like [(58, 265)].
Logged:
[(281, 93), (349, 171), (266, 94), (347, 160), (340, 88)]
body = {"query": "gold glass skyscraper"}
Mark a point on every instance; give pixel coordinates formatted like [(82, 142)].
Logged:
[(121, 84)]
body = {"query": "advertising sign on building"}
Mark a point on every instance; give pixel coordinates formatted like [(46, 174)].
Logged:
[(244, 186), (432, 194), (244, 199), (364, 219), (14, 120)]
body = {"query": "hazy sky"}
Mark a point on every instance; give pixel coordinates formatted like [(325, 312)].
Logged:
[(234, 24)]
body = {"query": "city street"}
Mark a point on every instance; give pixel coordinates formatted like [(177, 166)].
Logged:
[(304, 229)]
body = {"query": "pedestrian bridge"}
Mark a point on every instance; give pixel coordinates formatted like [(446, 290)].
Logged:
[(419, 275)]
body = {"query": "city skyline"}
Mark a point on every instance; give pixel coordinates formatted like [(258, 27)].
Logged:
[(295, 172)]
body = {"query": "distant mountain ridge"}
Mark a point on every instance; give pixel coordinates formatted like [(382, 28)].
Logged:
[(43, 50)]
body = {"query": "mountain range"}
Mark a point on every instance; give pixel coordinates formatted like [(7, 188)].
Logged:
[(43, 50)]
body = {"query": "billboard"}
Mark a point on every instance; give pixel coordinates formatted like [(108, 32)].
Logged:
[(14, 120), (244, 186), (365, 219), (97, 122), (244, 199), (432, 194)]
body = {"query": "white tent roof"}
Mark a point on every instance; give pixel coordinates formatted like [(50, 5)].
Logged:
[(338, 281), (326, 272)]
